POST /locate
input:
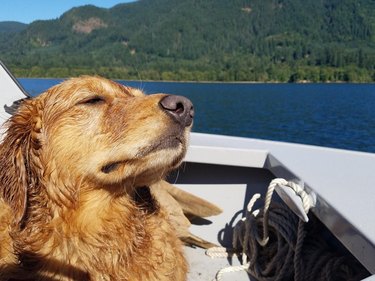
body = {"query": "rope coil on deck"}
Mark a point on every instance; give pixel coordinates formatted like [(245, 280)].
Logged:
[(275, 244)]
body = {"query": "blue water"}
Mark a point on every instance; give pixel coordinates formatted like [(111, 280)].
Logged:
[(332, 115)]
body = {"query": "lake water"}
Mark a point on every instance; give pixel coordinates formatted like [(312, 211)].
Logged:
[(332, 115)]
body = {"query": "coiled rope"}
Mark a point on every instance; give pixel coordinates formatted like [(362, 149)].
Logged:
[(274, 244)]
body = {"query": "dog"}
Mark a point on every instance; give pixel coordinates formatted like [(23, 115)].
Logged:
[(82, 166)]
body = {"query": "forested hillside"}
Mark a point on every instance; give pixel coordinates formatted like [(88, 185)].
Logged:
[(11, 27), (236, 40)]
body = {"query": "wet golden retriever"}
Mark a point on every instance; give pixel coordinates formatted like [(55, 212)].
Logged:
[(76, 165)]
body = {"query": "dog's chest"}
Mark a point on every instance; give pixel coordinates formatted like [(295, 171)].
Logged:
[(115, 255), (79, 256), (113, 244)]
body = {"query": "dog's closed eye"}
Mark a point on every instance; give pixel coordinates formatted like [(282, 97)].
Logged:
[(93, 100)]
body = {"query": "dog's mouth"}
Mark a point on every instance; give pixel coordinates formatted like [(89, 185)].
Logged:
[(167, 143), (176, 142), (110, 167)]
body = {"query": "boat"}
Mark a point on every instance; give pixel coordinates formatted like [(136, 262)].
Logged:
[(337, 185)]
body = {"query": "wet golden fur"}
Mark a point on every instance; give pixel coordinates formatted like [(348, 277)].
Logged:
[(71, 164)]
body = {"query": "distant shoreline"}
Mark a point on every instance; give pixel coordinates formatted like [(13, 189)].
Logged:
[(213, 81)]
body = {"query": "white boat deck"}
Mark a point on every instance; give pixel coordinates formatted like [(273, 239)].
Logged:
[(343, 181)]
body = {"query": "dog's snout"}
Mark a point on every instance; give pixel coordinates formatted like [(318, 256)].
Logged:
[(180, 109)]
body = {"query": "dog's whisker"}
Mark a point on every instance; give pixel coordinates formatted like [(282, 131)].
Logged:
[(177, 175)]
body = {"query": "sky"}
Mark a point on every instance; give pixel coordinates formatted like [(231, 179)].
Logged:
[(26, 11)]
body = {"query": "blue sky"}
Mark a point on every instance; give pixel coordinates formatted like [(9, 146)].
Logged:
[(27, 11)]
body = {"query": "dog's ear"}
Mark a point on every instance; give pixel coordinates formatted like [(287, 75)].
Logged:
[(18, 149)]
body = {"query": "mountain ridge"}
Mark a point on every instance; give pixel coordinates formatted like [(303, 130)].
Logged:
[(240, 40), (12, 26)]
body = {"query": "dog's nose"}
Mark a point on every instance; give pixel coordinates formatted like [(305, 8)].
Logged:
[(179, 108)]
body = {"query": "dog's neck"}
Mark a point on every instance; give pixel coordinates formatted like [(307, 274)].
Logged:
[(70, 202), (94, 213)]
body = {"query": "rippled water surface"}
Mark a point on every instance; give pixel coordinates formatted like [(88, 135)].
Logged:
[(333, 115)]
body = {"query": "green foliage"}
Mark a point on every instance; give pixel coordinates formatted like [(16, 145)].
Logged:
[(11, 27), (197, 40)]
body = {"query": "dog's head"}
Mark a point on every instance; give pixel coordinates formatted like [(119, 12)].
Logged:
[(94, 131)]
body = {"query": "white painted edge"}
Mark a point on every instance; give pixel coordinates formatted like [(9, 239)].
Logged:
[(227, 156)]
